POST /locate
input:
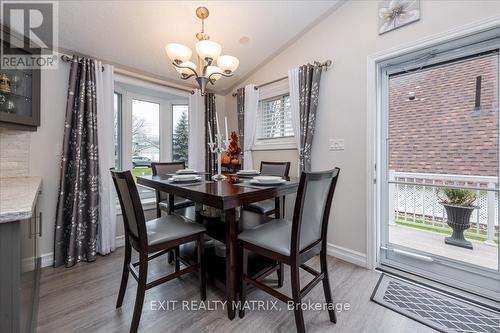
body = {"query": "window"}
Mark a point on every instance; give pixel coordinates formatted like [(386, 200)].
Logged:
[(180, 133), (274, 118), (145, 122), (118, 130)]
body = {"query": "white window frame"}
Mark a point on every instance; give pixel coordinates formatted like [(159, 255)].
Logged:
[(165, 130), (276, 89)]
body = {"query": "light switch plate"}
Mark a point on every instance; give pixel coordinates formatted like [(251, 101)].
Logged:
[(336, 144)]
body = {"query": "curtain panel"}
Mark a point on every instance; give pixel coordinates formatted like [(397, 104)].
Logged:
[(196, 144), (304, 96), (210, 158), (250, 124), (78, 202), (106, 233), (240, 109)]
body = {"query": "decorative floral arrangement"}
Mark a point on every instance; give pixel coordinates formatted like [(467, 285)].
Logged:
[(233, 151)]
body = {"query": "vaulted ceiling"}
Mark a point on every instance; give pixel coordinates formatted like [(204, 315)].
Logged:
[(133, 34)]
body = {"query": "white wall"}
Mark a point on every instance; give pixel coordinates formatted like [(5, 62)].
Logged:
[(46, 145), (347, 37)]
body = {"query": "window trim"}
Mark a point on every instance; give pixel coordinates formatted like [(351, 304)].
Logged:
[(165, 128), (277, 89)]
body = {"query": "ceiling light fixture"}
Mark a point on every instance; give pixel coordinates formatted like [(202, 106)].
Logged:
[(208, 53)]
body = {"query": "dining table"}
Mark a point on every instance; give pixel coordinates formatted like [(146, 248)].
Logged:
[(228, 197)]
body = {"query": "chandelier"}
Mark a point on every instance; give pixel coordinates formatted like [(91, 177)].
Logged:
[(209, 54)]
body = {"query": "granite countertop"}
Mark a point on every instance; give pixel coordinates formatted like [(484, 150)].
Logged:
[(18, 197)]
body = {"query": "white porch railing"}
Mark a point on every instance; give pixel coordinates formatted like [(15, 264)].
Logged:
[(414, 201)]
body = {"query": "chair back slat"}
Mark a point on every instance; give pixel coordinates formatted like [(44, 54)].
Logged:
[(275, 168), (130, 203), (164, 168), (312, 208)]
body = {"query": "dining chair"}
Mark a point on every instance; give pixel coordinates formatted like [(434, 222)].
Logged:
[(163, 168), (267, 207), (295, 242), (152, 239)]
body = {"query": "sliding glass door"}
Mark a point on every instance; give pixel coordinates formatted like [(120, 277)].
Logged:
[(440, 165)]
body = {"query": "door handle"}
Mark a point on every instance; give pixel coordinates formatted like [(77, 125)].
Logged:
[(29, 227)]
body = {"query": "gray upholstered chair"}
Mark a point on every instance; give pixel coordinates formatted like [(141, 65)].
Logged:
[(152, 239), (295, 242), (164, 168), (267, 207)]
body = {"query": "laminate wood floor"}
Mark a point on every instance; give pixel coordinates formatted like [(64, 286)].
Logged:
[(82, 299)]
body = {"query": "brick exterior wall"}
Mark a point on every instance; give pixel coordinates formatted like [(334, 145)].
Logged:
[(439, 132)]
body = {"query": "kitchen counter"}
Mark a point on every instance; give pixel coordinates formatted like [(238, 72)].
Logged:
[(18, 196)]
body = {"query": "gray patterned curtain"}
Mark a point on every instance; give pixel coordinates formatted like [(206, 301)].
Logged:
[(210, 158), (78, 202), (240, 109), (309, 77)]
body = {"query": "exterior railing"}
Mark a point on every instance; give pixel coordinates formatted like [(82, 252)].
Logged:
[(415, 201)]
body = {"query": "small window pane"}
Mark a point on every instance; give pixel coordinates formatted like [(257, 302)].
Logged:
[(118, 130), (180, 133), (145, 140), (274, 119)]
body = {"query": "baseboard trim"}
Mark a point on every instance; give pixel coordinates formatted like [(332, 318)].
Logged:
[(354, 257), (119, 241), (48, 258), (27, 264)]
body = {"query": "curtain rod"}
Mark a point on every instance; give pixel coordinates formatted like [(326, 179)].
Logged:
[(325, 64), (67, 58)]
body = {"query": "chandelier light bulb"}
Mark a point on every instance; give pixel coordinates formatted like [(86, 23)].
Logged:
[(228, 63), (208, 49), (186, 71), (214, 69), (178, 52)]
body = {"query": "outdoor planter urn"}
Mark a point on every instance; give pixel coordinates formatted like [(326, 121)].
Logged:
[(459, 221)]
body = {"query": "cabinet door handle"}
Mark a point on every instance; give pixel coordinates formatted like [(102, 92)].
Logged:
[(29, 227), (40, 225)]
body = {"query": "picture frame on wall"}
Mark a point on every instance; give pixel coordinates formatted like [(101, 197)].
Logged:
[(394, 14)]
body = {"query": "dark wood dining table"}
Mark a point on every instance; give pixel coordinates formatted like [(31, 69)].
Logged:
[(227, 197)]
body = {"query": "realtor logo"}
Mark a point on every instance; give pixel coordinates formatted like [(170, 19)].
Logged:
[(29, 34)]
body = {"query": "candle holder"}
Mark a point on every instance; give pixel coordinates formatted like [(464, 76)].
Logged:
[(218, 148)]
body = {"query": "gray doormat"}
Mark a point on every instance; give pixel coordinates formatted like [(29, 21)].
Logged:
[(434, 308)]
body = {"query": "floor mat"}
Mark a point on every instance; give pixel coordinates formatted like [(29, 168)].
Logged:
[(434, 308)]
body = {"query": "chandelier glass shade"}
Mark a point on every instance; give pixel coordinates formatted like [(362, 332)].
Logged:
[(210, 66)]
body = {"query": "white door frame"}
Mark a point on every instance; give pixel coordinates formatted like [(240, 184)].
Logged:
[(374, 110)]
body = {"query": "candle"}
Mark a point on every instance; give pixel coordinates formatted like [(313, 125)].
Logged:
[(217, 123), (210, 133), (225, 121)]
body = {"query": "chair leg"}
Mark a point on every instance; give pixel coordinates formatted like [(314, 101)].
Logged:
[(297, 309), (243, 273), (326, 287), (141, 290), (125, 273), (281, 276), (170, 259), (176, 259), (201, 273)]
